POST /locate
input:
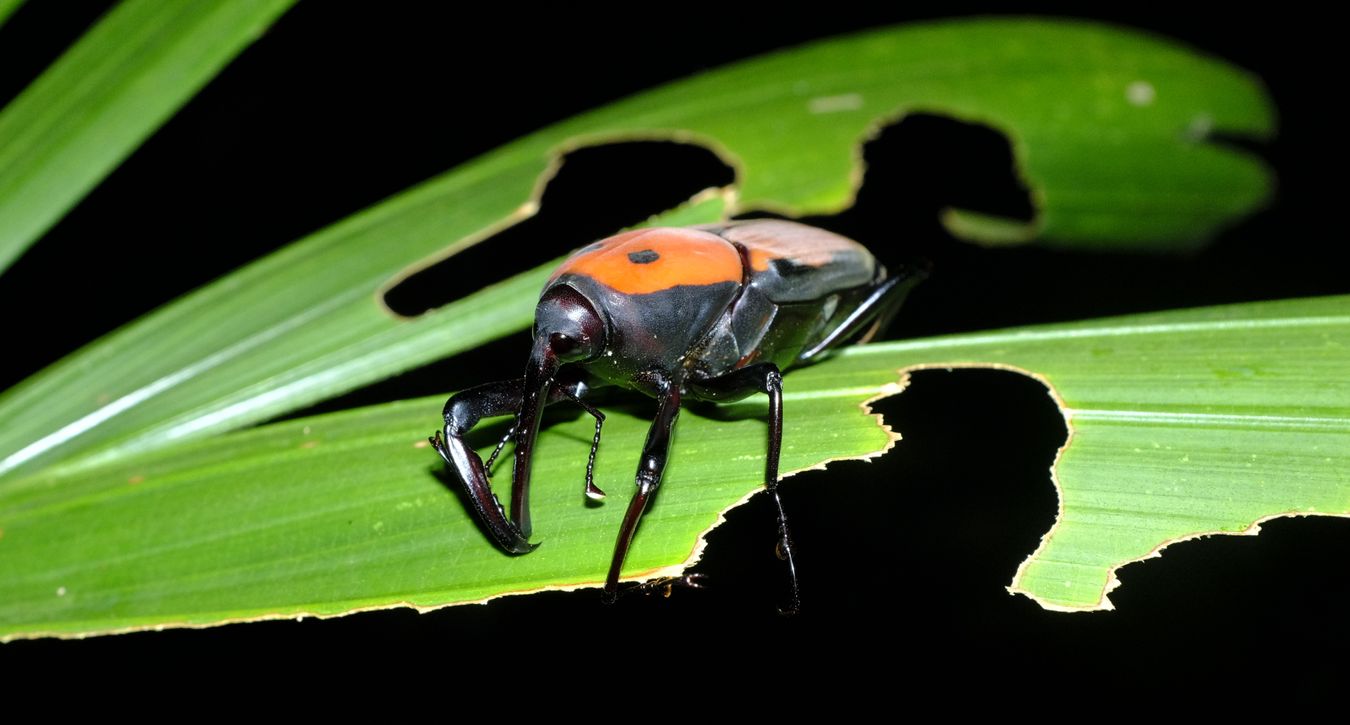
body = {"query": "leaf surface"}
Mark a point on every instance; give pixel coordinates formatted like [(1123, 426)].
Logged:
[(103, 97), (1247, 420)]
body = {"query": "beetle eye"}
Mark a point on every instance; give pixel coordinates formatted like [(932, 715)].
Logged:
[(563, 346)]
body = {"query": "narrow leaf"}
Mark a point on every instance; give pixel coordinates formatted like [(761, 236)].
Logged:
[(106, 95)]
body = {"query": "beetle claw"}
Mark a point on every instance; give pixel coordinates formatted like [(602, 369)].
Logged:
[(692, 581)]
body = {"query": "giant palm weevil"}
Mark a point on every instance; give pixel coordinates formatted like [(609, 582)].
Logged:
[(704, 313)]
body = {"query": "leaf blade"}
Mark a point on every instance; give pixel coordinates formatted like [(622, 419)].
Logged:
[(343, 512), (106, 95)]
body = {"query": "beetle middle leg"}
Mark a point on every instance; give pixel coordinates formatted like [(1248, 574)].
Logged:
[(762, 378), (654, 454)]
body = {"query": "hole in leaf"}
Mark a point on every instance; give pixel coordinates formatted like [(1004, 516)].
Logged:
[(916, 169), (598, 190), (1275, 583), (932, 531), (922, 166)]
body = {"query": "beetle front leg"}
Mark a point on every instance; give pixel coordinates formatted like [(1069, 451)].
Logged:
[(462, 412), (764, 378), (653, 464)]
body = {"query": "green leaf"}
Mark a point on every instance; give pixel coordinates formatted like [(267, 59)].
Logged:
[(346, 511), (1108, 127), (1247, 418), (106, 95)]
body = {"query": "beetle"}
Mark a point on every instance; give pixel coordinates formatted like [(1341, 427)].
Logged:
[(712, 313)]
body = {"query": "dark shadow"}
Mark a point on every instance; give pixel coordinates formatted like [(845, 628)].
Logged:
[(920, 166)]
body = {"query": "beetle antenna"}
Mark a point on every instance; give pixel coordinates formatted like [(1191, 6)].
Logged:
[(498, 450)]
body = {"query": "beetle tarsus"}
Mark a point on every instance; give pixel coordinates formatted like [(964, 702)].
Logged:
[(664, 586), (773, 387), (783, 549), (768, 379), (592, 491)]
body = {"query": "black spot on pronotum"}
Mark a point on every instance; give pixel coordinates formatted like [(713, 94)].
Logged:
[(645, 256)]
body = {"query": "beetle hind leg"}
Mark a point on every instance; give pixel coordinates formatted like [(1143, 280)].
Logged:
[(764, 378)]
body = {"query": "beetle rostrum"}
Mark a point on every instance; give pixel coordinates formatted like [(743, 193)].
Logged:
[(712, 313)]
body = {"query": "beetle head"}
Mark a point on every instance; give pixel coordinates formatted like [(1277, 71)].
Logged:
[(567, 327)]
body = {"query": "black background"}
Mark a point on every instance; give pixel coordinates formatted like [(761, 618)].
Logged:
[(341, 105)]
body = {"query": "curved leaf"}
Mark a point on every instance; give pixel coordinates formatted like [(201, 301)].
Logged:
[(1247, 420), (1109, 127)]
